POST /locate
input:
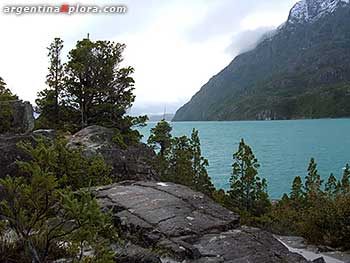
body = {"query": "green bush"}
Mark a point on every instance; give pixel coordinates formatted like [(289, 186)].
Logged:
[(48, 214), (70, 167)]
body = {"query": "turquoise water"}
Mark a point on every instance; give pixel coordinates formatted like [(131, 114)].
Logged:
[(283, 148)]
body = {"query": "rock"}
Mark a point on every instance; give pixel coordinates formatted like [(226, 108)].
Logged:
[(23, 119), (130, 253), (319, 260), (244, 244), (48, 133), (128, 164), (187, 225)]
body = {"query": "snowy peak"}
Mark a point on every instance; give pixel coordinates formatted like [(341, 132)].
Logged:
[(311, 10)]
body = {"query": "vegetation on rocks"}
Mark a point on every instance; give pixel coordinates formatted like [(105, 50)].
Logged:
[(179, 159), (47, 214), (91, 88), (6, 112), (316, 210)]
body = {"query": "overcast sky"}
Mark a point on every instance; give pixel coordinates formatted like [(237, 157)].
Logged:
[(175, 46)]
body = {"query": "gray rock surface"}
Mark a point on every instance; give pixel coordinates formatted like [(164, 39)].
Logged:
[(23, 119), (128, 164), (186, 225)]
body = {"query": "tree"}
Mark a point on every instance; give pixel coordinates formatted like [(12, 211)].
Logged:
[(49, 102), (2, 83), (5, 93), (179, 162), (160, 137), (345, 181), (313, 180), (96, 85), (6, 114), (248, 190), (297, 189), (201, 180), (180, 159), (331, 186)]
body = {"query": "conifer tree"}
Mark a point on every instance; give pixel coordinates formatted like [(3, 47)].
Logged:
[(297, 189), (247, 189), (160, 137), (49, 102), (6, 115), (313, 180), (345, 181), (331, 187), (201, 178)]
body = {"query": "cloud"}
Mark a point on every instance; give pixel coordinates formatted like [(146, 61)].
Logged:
[(227, 17), (246, 40)]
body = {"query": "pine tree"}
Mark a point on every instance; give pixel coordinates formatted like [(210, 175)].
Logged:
[(201, 178), (160, 137), (345, 181), (247, 188), (297, 189), (313, 180), (5, 93), (6, 113), (331, 186), (50, 101)]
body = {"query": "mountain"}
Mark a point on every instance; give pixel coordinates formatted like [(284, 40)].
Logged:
[(301, 70)]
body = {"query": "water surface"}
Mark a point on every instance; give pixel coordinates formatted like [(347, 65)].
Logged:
[(283, 148)]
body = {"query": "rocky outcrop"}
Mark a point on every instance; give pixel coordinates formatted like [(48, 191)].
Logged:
[(22, 115), (186, 226), (128, 164)]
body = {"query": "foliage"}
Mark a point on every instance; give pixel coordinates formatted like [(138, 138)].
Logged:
[(180, 159), (48, 220), (96, 85), (50, 101), (320, 214), (6, 112), (91, 88), (160, 137), (313, 181), (297, 193), (70, 167), (52, 223), (248, 191)]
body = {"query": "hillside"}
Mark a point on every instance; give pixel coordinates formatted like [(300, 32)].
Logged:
[(302, 70)]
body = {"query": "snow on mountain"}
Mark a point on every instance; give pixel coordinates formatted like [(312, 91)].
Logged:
[(311, 10)]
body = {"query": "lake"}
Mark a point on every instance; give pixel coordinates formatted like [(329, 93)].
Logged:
[(283, 148)]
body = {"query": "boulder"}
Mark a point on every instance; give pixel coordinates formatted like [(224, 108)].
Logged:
[(130, 253), (186, 225), (128, 164), (22, 116)]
